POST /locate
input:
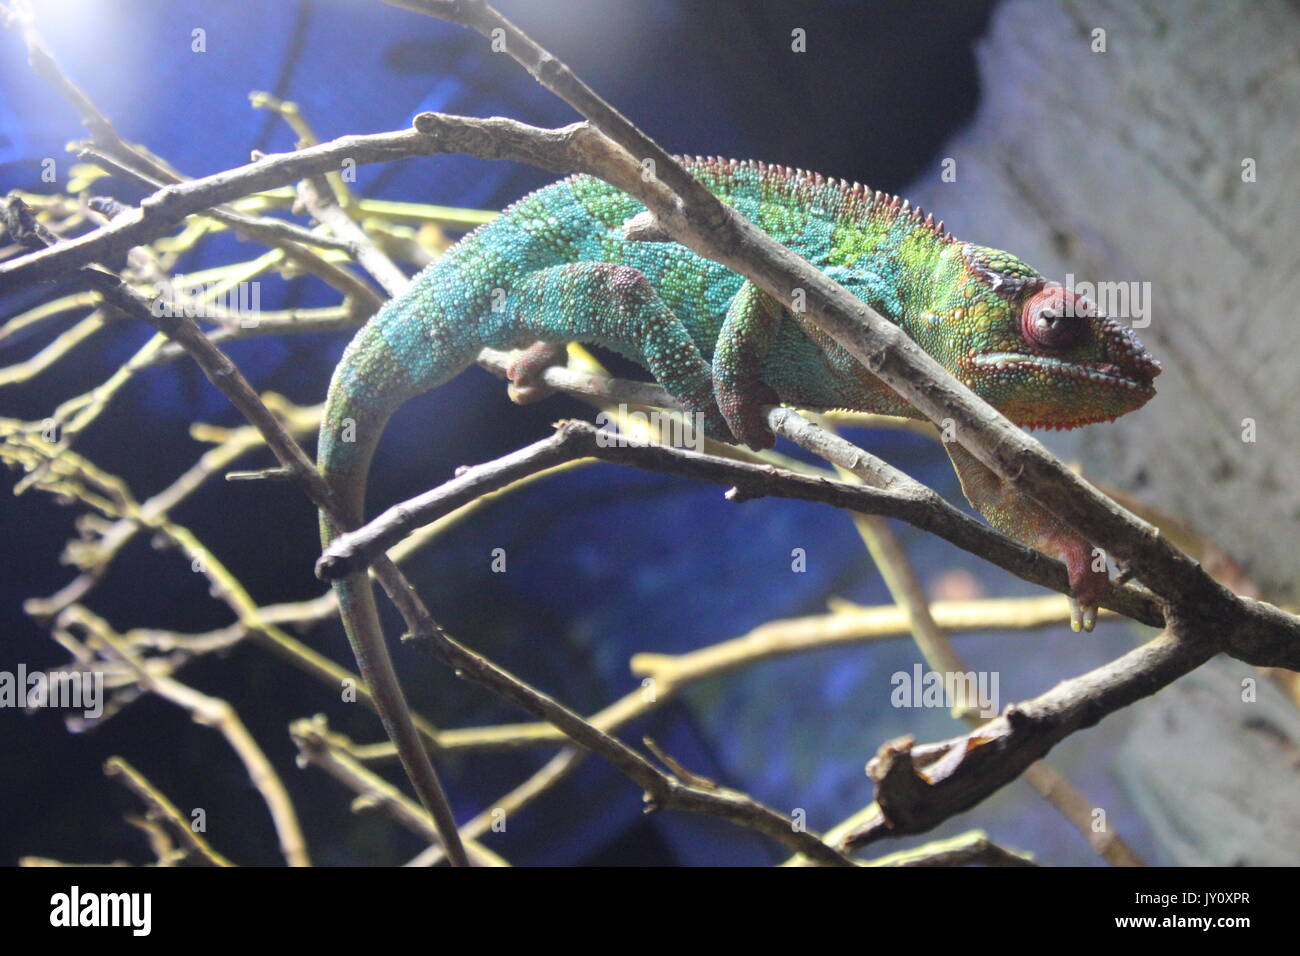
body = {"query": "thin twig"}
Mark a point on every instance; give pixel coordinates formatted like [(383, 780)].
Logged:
[(940, 656), (379, 675), (163, 809), (211, 712), (919, 787), (967, 849), (313, 744)]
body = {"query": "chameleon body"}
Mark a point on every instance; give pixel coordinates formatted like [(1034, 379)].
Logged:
[(559, 266)]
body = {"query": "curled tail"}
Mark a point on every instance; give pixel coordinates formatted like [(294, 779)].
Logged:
[(408, 347), (416, 342), (391, 359)]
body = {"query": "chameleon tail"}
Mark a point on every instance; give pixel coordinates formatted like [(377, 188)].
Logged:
[(369, 384), (404, 350)]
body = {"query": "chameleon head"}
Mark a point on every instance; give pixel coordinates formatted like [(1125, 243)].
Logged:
[(1045, 356)]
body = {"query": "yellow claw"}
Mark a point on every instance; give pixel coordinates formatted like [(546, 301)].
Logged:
[(1082, 618)]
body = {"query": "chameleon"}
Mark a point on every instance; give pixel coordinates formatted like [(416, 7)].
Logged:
[(563, 265)]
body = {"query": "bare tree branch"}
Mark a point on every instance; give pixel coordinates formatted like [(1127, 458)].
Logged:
[(158, 213), (377, 668), (968, 849), (575, 440), (919, 787)]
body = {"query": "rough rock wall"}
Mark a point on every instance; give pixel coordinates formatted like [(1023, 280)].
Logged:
[(1126, 166)]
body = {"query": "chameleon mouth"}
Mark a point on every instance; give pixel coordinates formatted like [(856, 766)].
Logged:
[(1101, 373)]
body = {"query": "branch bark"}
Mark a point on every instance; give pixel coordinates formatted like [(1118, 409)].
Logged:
[(918, 788), (575, 440)]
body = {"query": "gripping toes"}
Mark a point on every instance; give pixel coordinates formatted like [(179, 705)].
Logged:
[(742, 407), (1027, 522), (526, 368), (1087, 582)]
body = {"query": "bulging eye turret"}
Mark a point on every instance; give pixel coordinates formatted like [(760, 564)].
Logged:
[(1055, 319)]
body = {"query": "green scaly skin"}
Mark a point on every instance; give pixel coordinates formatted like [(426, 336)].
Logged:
[(558, 266)]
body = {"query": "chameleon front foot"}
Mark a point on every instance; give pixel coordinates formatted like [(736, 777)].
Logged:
[(1025, 521), (1088, 581), (1082, 618)]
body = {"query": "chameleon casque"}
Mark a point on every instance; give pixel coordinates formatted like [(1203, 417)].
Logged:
[(558, 266)]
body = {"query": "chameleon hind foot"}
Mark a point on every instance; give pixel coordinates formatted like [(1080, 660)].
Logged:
[(615, 306), (744, 341), (743, 409), (526, 368)]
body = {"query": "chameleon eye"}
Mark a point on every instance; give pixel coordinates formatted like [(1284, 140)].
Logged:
[(1050, 320)]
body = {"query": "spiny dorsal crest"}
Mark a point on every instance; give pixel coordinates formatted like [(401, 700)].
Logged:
[(858, 199)]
